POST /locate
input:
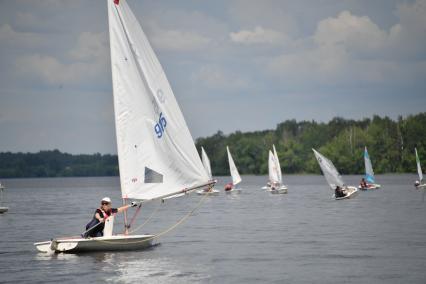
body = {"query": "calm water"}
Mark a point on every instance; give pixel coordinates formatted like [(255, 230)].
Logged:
[(301, 237)]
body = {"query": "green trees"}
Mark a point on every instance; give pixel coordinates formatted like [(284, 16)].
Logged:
[(390, 145)]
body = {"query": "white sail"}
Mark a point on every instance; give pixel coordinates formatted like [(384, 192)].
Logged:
[(329, 170), (419, 167), (278, 166), (272, 169), (369, 174), (156, 153), (236, 179), (206, 162)]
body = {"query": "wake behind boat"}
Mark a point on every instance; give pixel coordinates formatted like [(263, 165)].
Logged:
[(334, 180), (369, 181), (156, 153)]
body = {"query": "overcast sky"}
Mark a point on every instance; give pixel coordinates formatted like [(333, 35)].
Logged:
[(233, 65)]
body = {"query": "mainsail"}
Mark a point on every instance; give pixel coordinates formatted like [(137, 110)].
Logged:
[(419, 167), (329, 170), (156, 153), (272, 169), (369, 174), (236, 179), (278, 166), (206, 163)]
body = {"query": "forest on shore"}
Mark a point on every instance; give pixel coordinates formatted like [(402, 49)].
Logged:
[(390, 144)]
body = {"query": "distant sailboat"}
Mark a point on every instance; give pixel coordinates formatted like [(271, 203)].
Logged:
[(419, 183), (3, 209), (206, 163), (156, 153), (275, 185), (369, 173), (333, 177), (236, 178)]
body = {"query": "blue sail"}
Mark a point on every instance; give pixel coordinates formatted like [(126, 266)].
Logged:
[(369, 174)]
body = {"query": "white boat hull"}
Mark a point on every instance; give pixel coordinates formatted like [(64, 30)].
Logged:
[(282, 190), (3, 209), (421, 186), (234, 190), (370, 186), (350, 191), (210, 192), (112, 243)]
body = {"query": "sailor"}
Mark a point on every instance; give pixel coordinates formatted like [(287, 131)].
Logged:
[(339, 192), (416, 184), (95, 228), (363, 183), (228, 186)]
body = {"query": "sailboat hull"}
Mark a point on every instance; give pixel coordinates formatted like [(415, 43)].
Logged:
[(281, 190), (351, 192), (111, 243), (211, 192), (422, 186), (3, 209), (370, 186)]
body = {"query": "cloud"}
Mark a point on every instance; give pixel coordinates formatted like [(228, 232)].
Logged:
[(258, 35), (215, 77), (12, 38), (178, 40)]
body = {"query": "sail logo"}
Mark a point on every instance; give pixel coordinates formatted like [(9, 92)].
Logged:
[(160, 126)]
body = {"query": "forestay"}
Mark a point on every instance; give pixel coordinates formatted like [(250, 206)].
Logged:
[(419, 167), (156, 153), (272, 169), (329, 170), (236, 179), (206, 162), (278, 166), (369, 174)]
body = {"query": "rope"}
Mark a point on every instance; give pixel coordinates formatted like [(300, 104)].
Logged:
[(146, 221), (165, 231)]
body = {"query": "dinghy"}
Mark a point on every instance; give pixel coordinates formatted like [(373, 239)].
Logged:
[(369, 174), (419, 183), (333, 177), (3, 209), (275, 175), (156, 153), (206, 163), (236, 178)]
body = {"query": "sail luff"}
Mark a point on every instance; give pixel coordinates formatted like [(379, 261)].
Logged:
[(236, 178), (419, 167), (157, 155), (369, 173)]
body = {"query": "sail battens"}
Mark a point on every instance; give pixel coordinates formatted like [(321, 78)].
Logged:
[(151, 130)]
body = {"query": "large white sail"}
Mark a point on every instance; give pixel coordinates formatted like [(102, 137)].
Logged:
[(236, 179), (369, 174), (329, 170), (419, 167), (206, 162), (278, 166), (156, 153), (272, 169)]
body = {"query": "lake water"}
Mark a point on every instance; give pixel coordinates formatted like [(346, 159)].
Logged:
[(253, 237)]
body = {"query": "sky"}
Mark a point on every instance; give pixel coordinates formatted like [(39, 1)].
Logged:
[(233, 65)]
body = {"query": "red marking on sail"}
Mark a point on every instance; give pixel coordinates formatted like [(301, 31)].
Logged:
[(116, 2)]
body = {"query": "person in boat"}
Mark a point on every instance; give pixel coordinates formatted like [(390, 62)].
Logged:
[(416, 184), (339, 192), (228, 186), (363, 183), (95, 228)]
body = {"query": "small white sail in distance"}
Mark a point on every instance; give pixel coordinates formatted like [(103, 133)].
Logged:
[(236, 178), (156, 153), (277, 161), (419, 167), (272, 169), (369, 173), (206, 162), (329, 170)]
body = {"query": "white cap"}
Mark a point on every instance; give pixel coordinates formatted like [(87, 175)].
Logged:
[(106, 199)]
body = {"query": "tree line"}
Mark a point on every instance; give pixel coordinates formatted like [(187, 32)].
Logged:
[(390, 144)]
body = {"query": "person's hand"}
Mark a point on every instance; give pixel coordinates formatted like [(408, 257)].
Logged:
[(133, 204), (101, 220)]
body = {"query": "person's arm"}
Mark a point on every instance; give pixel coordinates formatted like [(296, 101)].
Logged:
[(125, 207), (97, 216)]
